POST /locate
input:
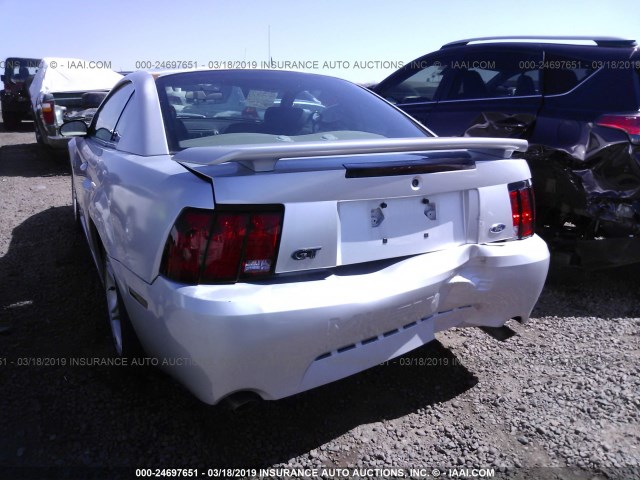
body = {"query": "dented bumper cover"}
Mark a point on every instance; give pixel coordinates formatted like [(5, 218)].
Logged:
[(282, 337)]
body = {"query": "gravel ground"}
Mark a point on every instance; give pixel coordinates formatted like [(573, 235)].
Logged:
[(556, 398)]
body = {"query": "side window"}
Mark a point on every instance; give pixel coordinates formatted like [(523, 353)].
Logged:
[(419, 86), (563, 73), (495, 75), (125, 120), (104, 125), (524, 83)]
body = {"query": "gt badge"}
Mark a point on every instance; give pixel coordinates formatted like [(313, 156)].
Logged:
[(305, 253)]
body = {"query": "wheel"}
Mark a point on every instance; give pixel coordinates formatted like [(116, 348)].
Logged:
[(125, 341), (46, 149), (38, 135), (11, 121)]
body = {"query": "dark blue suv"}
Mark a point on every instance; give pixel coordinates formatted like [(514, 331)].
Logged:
[(14, 98), (576, 100)]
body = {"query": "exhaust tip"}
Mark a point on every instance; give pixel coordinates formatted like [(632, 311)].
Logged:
[(242, 401)]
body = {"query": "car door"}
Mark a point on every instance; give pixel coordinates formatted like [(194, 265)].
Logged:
[(417, 86), (96, 150), (492, 93)]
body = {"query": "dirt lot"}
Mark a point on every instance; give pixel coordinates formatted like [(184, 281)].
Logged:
[(556, 398)]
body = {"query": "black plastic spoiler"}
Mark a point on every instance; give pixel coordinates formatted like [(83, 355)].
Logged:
[(263, 157)]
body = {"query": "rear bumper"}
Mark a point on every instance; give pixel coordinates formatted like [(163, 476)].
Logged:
[(282, 338), (51, 138), (59, 143)]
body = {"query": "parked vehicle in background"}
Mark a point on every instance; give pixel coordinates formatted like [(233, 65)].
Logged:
[(66, 89), (15, 94), (292, 229), (577, 102)]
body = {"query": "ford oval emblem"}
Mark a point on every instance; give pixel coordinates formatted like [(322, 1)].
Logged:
[(497, 227)]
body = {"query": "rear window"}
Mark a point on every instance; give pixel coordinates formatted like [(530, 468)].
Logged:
[(20, 69), (256, 107)]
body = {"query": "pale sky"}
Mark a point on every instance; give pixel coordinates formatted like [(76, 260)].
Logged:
[(362, 41)]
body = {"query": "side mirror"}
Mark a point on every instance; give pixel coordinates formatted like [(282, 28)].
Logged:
[(1, 78), (75, 128)]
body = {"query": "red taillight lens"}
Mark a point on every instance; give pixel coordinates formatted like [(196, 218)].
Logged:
[(628, 123), (184, 251), (222, 246), (225, 248), (262, 242), (49, 112), (522, 209)]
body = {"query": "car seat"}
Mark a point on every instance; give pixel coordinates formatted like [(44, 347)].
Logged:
[(283, 120), (525, 86)]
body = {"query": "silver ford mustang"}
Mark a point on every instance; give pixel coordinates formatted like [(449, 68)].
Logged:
[(267, 232)]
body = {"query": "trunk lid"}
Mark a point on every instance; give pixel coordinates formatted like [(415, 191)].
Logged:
[(352, 202)]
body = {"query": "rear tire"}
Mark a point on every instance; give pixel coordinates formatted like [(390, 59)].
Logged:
[(125, 340), (38, 135)]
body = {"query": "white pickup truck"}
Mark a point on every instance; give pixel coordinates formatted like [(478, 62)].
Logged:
[(62, 88), (284, 230)]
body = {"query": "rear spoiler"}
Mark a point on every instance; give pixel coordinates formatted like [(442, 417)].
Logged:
[(263, 157)]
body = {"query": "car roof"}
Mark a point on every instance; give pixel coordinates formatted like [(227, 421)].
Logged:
[(29, 59), (616, 42)]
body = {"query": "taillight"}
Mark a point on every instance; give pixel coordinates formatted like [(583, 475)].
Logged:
[(208, 246), (185, 247), (627, 123), (261, 244), (225, 247), (523, 210), (49, 112)]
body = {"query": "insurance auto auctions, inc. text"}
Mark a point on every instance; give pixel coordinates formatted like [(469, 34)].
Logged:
[(347, 473)]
